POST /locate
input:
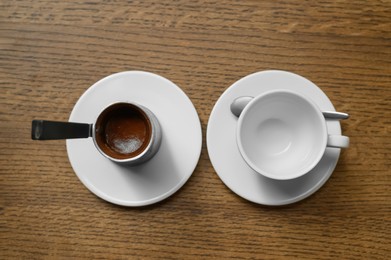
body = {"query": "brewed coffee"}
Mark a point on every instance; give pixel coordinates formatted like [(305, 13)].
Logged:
[(123, 131)]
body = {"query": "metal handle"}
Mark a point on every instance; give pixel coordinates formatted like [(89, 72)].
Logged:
[(53, 130), (335, 115), (240, 103)]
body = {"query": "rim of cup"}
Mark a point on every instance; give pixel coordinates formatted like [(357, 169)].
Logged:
[(322, 143), (146, 149)]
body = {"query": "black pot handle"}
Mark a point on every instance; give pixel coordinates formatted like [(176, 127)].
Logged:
[(53, 130)]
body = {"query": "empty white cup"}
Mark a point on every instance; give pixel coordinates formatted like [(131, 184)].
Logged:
[(283, 135)]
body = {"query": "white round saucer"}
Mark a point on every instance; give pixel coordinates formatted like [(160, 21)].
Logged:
[(229, 164), (168, 170)]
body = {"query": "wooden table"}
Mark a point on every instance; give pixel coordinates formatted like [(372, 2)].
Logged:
[(52, 51)]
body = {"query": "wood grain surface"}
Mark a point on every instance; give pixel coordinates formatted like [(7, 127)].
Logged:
[(52, 51)]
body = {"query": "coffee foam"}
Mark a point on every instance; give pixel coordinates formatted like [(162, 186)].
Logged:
[(127, 146)]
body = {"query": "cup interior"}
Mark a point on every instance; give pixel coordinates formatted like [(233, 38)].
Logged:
[(122, 131), (281, 135)]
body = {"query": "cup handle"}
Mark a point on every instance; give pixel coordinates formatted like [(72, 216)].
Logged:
[(239, 104), (53, 130), (338, 141)]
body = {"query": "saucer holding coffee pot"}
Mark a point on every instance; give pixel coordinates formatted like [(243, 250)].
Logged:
[(124, 141)]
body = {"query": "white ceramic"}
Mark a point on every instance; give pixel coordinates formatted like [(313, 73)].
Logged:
[(283, 135), (227, 161), (176, 158)]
